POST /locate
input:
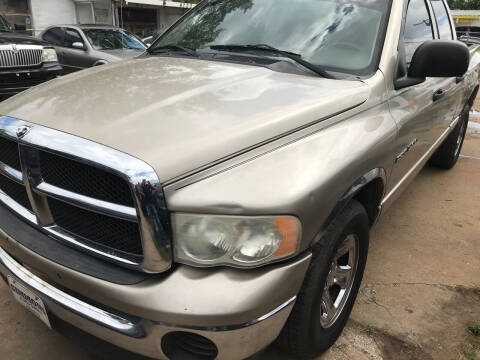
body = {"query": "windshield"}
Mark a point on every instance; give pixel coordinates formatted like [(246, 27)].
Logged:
[(338, 35), (4, 26), (112, 39)]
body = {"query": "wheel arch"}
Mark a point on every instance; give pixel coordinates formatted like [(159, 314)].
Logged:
[(100, 62), (368, 190)]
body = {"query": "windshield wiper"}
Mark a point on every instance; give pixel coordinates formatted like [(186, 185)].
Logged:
[(176, 47), (290, 55)]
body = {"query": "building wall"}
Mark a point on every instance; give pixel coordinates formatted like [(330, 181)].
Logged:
[(103, 12), (51, 12), (462, 22), (167, 16)]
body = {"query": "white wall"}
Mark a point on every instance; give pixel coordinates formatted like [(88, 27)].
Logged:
[(52, 12), (103, 12), (166, 16)]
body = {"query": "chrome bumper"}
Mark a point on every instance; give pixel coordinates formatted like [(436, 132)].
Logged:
[(74, 305), (144, 336)]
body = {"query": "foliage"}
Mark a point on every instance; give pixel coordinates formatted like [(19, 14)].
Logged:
[(475, 329), (464, 4)]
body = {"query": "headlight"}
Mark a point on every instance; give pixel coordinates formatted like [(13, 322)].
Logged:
[(241, 241), (49, 55)]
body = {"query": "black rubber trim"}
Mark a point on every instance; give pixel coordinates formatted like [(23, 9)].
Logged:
[(64, 255)]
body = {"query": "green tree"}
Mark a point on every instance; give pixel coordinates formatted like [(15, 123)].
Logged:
[(464, 4)]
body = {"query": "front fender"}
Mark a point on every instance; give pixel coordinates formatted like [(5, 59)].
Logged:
[(309, 178)]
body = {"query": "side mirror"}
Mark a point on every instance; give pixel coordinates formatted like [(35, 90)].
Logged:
[(78, 45), (436, 58)]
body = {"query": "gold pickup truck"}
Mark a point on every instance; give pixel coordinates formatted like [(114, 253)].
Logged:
[(217, 193)]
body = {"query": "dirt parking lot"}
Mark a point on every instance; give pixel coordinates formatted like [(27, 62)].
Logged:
[(420, 293)]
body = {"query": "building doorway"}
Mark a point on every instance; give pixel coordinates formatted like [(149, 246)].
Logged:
[(17, 13), (139, 21)]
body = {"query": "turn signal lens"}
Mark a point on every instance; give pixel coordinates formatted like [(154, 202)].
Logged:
[(209, 240)]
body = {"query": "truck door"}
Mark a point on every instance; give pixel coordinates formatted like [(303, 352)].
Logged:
[(412, 107), (453, 88)]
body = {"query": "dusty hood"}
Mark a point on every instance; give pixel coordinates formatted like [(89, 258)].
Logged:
[(181, 114)]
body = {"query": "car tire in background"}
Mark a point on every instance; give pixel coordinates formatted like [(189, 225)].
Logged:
[(447, 154), (310, 329)]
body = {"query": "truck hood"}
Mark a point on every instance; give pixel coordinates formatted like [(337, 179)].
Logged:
[(182, 114), (12, 38)]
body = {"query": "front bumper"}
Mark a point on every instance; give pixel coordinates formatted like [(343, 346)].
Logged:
[(241, 312), (14, 81)]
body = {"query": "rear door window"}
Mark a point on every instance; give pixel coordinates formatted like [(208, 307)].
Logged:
[(443, 20), (54, 36)]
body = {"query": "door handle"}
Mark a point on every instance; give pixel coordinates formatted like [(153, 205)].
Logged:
[(440, 93), (459, 79)]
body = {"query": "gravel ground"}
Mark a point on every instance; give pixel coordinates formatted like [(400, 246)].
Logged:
[(420, 293)]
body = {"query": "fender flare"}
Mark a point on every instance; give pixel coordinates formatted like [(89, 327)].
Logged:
[(354, 189)]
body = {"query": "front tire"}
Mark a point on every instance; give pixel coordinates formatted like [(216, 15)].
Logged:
[(330, 286), (447, 154)]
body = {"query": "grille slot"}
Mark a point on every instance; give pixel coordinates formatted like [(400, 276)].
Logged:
[(21, 58), (186, 345), (9, 153), (115, 234), (16, 191), (84, 179)]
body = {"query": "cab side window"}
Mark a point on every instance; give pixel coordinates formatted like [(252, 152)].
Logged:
[(72, 36), (443, 22), (54, 36), (418, 27)]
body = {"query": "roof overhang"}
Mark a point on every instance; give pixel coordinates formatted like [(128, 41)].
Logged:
[(164, 3)]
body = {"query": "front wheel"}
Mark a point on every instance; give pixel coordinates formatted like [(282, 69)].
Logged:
[(330, 286)]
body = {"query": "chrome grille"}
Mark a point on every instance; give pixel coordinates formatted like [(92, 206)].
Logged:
[(18, 56), (118, 211)]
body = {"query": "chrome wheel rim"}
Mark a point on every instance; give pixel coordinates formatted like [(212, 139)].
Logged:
[(340, 279), (459, 139)]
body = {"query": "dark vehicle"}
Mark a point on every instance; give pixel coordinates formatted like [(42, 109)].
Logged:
[(24, 61), (83, 46), (473, 31)]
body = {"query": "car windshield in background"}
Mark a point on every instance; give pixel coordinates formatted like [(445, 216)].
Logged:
[(112, 39), (340, 35), (4, 24)]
